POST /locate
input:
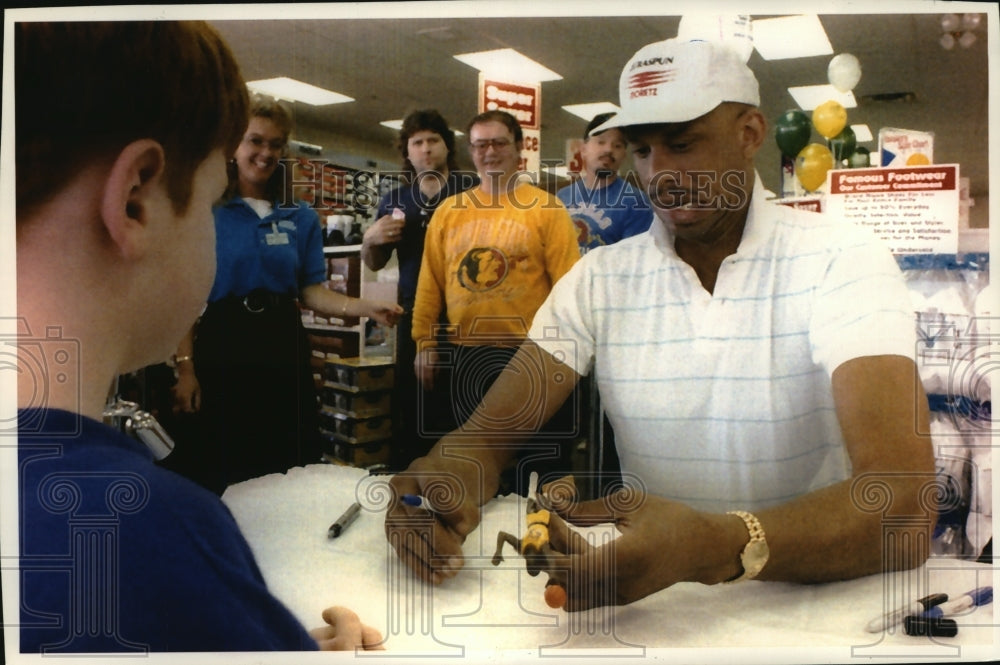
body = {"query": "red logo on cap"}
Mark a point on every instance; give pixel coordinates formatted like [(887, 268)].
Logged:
[(641, 84)]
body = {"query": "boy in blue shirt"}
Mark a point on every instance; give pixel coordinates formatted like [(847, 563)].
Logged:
[(122, 133)]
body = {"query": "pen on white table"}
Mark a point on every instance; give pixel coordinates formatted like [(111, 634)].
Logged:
[(893, 618), (975, 598), (344, 520), (417, 501)]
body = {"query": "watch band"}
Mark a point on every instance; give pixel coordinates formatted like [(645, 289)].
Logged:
[(755, 553)]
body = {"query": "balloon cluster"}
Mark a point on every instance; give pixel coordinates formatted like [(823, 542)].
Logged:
[(793, 130)]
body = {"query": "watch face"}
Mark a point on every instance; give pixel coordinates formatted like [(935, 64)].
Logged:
[(754, 557)]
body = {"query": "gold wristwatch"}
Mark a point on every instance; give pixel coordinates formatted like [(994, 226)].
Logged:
[(754, 555)]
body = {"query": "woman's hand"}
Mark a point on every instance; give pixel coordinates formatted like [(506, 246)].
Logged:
[(187, 391), (385, 312)]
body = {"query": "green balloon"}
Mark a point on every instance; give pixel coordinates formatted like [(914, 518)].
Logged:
[(792, 132), (859, 159), (843, 145)]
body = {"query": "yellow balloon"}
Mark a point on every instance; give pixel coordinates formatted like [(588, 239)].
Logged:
[(829, 118), (811, 165)]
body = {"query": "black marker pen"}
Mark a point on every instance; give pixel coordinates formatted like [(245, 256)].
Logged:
[(349, 516)]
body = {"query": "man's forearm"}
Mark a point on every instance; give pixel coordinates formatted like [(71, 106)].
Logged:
[(515, 406), (374, 256), (872, 523)]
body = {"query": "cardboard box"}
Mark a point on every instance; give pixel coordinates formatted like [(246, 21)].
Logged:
[(345, 273), (333, 343), (360, 455), (357, 404), (343, 427), (905, 147), (360, 374)]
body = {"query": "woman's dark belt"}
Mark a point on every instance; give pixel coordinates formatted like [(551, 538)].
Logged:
[(262, 326), (259, 301)]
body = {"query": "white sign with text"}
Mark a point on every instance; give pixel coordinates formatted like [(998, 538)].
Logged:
[(914, 209)]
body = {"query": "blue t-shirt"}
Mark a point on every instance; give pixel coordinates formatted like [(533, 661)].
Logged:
[(418, 211), (281, 253), (120, 555), (606, 215)]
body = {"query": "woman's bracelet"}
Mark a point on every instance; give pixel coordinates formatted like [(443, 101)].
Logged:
[(176, 360)]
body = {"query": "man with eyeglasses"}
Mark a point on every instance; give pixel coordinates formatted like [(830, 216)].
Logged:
[(491, 256)]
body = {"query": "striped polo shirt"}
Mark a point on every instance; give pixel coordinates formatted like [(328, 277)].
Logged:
[(723, 400)]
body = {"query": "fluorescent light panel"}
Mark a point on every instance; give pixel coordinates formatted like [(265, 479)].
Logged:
[(297, 91), (558, 171), (508, 65), (397, 124), (790, 37), (588, 111), (809, 97), (862, 133)]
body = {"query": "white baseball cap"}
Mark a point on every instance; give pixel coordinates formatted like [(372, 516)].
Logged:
[(679, 80)]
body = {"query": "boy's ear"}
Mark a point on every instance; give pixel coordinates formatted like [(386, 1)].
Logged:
[(133, 194)]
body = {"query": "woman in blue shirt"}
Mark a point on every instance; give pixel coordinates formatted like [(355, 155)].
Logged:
[(245, 367)]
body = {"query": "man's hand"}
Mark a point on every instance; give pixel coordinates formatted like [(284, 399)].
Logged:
[(345, 632), (661, 543), (425, 367), (430, 543), (386, 229)]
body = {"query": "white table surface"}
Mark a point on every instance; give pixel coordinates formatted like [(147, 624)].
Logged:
[(498, 613)]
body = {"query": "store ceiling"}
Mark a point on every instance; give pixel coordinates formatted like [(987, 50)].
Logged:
[(391, 66)]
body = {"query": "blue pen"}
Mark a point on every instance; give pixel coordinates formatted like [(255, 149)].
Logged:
[(975, 598), (417, 502)]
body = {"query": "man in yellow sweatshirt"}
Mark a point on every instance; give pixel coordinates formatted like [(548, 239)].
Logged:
[(491, 256)]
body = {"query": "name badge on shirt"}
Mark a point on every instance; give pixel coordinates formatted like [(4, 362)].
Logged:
[(276, 237)]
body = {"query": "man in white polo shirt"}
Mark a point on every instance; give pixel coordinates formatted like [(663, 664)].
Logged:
[(755, 362)]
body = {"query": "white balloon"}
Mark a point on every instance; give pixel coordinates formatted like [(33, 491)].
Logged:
[(970, 21), (844, 72), (732, 30), (950, 22)]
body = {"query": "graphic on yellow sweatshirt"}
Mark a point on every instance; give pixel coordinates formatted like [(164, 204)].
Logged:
[(482, 268), (490, 261)]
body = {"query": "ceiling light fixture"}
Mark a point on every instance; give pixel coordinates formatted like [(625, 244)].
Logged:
[(589, 111), (809, 97), (862, 133), (557, 171), (398, 125), (790, 37), (291, 90), (959, 30), (508, 65)]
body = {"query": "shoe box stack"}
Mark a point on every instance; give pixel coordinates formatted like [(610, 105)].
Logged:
[(355, 411)]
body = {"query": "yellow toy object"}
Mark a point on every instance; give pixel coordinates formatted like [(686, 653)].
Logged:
[(536, 549), (537, 535)]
